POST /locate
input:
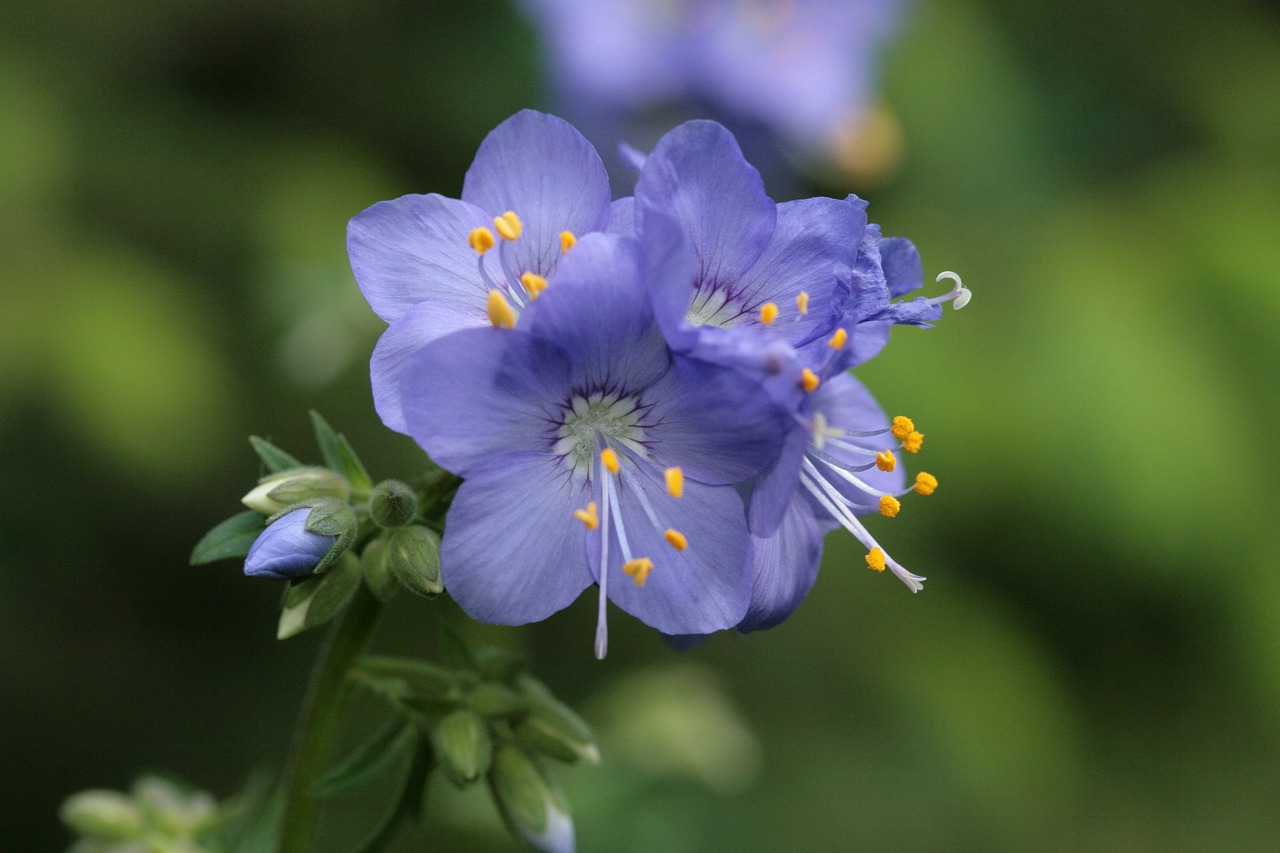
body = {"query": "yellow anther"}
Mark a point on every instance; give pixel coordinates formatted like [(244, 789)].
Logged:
[(913, 442), (610, 460), (480, 239), (838, 340), (639, 569), (675, 481), (500, 313), (925, 483), (588, 516), (886, 461), (802, 302), (768, 313), (676, 539), (809, 380), (875, 560), (533, 284), (508, 225), (889, 506), (902, 427), (566, 241)]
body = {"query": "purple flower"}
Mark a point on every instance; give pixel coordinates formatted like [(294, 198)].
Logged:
[(802, 68), (794, 294), (785, 267), (287, 549), (593, 453), (427, 263)]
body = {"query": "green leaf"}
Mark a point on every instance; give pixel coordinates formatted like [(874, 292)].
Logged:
[(408, 806), (275, 459), (231, 538), (317, 599), (339, 455), (370, 761)]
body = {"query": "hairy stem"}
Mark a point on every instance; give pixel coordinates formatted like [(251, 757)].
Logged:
[(322, 710)]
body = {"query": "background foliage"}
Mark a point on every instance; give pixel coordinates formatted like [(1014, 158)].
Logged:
[(1095, 663)]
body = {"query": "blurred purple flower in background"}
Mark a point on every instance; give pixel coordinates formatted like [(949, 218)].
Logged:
[(800, 71)]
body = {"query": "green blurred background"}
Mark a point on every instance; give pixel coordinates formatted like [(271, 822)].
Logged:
[(1095, 663)]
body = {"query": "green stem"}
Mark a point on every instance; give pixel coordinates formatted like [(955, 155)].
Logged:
[(321, 713)]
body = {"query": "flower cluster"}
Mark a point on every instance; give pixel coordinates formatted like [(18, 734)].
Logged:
[(648, 394)]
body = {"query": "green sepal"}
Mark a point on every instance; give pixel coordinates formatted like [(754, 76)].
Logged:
[(495, 701), (463, 747), (553, 728), (275, 459), (377, 573), (318, 598), (339, 455), (370, 761), (413, 557), (330, 517), (232, 538)]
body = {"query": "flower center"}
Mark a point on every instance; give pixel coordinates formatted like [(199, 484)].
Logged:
[(588, 418)]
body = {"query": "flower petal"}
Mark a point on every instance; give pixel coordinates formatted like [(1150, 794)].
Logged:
[(540, 167), (720, 426), (512, 551), (477, 394), (811, 250), (785, 565), (702, 589), (415, 329), (903, 270), (698, 175), (414, 248), (598, 311)]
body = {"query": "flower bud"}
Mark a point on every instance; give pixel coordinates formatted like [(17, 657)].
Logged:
[(464, 747), (554, 729), (493, 700), (528, 801), (413, 555), (279, 491), (287, 549), (102, 815), (392, 504)]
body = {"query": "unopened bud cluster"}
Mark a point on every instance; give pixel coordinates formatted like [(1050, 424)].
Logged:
[(155, 815), (326, 528), (491, 721)]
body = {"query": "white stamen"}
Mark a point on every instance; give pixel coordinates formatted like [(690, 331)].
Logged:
[(602, 625), (836, 504), (840, 471), (958, 295)]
